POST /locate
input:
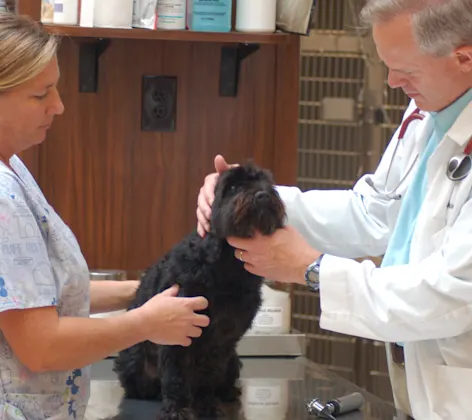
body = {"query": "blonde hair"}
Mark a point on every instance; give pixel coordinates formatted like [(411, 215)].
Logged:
[(26, 48), (440, 26)]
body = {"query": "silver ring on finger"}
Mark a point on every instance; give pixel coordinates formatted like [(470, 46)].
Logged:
[(241, 256)]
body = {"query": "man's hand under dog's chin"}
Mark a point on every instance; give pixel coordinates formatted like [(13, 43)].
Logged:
[(283, 256)]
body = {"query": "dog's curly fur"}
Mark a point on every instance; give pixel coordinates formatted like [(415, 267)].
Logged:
[(192, 380)]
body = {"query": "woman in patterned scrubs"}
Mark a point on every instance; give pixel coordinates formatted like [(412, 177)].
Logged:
[(47, 339)]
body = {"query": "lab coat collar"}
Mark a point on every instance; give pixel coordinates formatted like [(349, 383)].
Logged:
[(461, 130), (444, 119)]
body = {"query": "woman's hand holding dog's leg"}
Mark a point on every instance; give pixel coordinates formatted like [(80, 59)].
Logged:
[(207, 195), (171, 320)]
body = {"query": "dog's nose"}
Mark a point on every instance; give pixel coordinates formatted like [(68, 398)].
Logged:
[(261, 196)]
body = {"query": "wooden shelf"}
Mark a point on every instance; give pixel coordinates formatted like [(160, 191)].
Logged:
[(162, 35)]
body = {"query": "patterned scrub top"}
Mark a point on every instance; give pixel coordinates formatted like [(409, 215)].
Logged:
[(40, 265)]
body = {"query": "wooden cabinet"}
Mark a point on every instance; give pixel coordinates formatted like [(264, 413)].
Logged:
[(129, 195)]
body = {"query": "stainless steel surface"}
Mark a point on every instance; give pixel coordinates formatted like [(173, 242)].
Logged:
[(108, 274), (293, 344), (272, 388), (261, 345)]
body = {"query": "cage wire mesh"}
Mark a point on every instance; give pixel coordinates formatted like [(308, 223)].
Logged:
[(337, 139)]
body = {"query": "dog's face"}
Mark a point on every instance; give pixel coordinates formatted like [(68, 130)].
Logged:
[(246, 201)]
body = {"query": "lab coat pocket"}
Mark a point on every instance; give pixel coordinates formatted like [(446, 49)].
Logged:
[(451, 398)]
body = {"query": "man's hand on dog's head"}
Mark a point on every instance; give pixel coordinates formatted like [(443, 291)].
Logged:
[(207, 195), (173, 320)]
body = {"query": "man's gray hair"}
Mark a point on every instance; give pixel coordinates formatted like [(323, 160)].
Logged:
[(440, 26)]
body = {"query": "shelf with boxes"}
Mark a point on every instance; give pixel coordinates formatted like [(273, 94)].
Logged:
[(95, 24), (169, 35), (174, 20), (240, 26)]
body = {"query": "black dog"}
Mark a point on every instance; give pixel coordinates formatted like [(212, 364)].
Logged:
[(191, 380)]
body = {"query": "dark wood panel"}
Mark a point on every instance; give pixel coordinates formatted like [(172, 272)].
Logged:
[(130, 195), (286, 111), (27, 7)]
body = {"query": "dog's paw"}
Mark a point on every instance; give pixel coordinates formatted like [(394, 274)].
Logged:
[(229, 395), (172, 412)]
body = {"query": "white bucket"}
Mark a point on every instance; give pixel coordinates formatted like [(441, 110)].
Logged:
[(113, 13)]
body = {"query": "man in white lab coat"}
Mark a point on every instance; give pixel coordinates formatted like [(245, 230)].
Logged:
[(416, 210)]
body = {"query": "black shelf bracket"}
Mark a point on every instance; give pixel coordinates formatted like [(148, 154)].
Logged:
[(89, 55), (231, 58)]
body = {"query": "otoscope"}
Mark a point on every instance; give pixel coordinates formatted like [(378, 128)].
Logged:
[(342, 405)]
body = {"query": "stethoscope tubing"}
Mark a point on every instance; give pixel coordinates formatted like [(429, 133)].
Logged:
[(457, 169)]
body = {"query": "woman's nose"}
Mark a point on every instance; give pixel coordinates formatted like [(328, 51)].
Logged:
[(56, 106)]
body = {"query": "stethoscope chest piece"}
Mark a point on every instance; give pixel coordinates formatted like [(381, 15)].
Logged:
[(459, 167)]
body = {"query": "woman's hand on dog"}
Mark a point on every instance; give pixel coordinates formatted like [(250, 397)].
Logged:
[(171, 320), (207, 195), (283, 256)]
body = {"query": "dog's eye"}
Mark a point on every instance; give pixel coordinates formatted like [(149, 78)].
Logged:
[(233, 188)]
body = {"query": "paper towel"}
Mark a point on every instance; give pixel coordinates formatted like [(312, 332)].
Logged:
[(144, 14)]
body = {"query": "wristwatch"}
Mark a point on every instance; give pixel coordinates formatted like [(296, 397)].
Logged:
[(312, 275)]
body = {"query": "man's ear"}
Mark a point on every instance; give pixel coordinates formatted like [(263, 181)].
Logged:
[(464, 58)]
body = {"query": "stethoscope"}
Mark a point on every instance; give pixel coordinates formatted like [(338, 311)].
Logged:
[(457, 169)]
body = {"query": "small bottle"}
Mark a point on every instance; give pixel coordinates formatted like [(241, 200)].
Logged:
[(170, 14), (209, 15), (66, 12)]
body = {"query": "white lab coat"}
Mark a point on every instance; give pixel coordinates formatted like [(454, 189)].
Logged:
[(428, 303)]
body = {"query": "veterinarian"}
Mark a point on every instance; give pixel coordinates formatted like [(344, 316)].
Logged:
[(416, 210), (47, 338)]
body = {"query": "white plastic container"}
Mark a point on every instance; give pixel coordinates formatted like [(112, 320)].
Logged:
[(274, 314), (171, 14), (86, 13), (66, 12), (256, 15), (113, 13), (265, 399)]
